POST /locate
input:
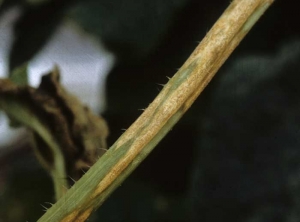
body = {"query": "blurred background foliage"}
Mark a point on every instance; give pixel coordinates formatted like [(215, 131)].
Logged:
[(233, 156)]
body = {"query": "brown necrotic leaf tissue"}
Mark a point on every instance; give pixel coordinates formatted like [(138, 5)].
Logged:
[(68, 137)]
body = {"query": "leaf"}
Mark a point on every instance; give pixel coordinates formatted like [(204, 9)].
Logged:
[(68, 138), (19, 75)]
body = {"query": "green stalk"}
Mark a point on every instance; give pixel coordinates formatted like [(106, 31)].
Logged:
[(20, 112), (162, 114)]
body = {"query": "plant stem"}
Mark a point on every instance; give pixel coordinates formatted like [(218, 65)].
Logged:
[(24, 115), (161, 115)]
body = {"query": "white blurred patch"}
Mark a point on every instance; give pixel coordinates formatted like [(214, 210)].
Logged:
[(6, 37), (8, 136), (83, 62)]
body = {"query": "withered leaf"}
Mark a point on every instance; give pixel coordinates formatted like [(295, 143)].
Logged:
[(18, 76), (61, 125)]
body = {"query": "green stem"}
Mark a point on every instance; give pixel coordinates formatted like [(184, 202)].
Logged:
[(22, 114), (162, 114)]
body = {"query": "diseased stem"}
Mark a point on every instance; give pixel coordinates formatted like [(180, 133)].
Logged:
[(161, 115)]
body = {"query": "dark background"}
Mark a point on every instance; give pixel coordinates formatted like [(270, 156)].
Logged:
[(232, 157)]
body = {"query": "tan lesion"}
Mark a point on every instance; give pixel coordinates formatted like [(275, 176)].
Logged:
[(78, 216)]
